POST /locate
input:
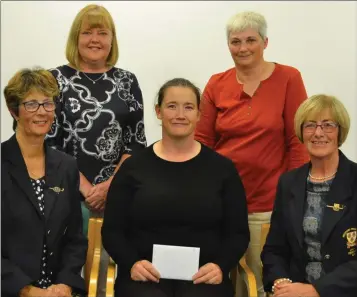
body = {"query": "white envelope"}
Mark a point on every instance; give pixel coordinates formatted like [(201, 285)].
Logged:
[(176, 262)]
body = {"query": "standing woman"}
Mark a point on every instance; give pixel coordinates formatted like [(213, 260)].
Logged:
[(100, 112), (247, 115)]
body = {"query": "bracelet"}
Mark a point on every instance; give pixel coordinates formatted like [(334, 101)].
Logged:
[(280, 281)]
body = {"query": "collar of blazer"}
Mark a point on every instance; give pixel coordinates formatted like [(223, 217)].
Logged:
[(10, 151), (340, 192)]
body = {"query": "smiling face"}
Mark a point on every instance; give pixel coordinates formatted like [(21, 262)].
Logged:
[(321, 143), (246, 47), (37, 123), (178, 112), (94, 44)]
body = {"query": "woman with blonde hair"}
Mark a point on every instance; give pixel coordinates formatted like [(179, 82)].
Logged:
[(247, 115), (100, 111), (311, 247)]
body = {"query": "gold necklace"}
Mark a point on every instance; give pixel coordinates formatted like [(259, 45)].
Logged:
[(322, 178)]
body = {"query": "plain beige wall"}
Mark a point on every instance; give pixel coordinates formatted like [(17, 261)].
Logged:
[(164, 39)]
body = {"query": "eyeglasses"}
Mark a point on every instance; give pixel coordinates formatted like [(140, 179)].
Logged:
[(33, 106), (327, 127)]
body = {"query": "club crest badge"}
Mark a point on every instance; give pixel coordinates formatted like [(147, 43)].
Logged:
[(351, 240)]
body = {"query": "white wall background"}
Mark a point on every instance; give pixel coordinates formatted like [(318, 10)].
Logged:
[(165, 39)]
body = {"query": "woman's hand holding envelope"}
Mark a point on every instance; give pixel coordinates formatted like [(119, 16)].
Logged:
[(209, 274), (144, 271)]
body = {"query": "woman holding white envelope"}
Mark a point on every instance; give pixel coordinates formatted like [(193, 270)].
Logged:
[(176, 217)]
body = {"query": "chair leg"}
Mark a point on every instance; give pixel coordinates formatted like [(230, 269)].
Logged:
[(250, 278)]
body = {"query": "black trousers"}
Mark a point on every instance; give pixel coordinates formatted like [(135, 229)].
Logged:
[(171, 288)]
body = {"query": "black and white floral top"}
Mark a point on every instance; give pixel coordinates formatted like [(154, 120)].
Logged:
[(45, 278), (99, 117)]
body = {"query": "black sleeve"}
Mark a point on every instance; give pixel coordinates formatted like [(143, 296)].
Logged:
[(341, 282), (74, 252), (54, 137), (13, 279), (134, 131), (235, 228), (116, 223), (276, 252)]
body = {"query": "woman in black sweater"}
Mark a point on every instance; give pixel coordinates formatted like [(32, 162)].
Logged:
[(176, 192)]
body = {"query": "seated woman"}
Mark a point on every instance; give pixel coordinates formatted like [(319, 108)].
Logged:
[(311, 247), (42, 245), (176, 192)]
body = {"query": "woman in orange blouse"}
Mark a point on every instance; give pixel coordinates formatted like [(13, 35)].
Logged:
[(247, 115)]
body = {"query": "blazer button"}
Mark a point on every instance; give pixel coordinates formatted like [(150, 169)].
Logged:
[(48, 232), (327, 257)]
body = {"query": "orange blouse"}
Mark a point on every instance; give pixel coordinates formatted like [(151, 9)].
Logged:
[(256, 133)]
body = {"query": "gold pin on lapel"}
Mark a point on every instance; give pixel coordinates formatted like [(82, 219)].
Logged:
[(57, 189), (336, 207)]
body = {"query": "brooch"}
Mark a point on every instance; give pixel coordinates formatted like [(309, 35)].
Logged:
[(336, 207), (57, 189)]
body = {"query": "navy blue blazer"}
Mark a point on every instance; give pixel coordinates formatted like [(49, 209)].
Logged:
[(23, 228), (284, 254)]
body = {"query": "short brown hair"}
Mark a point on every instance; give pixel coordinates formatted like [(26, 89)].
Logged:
[(178, 82), (27, 80), (97, 16), (313, 106)]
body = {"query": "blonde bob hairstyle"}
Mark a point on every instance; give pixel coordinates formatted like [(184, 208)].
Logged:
[(312, 107), (247, 20), (97, 17)]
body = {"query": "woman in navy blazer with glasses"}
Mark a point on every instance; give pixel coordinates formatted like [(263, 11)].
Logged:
[(311, 249), (43, 248)]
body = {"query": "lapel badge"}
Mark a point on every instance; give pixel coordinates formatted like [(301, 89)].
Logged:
[(57, 189), (336, 207), (351, 237)]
